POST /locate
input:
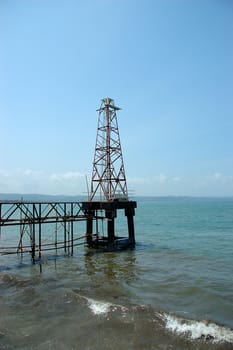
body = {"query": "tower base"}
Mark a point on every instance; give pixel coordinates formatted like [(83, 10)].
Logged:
[(108, 211), (120, 243)]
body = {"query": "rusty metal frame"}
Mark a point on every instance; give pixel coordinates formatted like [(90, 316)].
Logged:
[(18, 213), (33, 215), (108, 175)]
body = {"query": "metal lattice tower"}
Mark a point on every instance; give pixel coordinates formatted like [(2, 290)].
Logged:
[(108, 176)]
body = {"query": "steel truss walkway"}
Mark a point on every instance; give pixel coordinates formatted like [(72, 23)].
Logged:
[(30, 216)]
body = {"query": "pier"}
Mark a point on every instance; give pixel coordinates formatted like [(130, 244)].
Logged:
[(77, 223)]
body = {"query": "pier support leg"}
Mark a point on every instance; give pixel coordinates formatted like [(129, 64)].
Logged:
[(130, 212), (72, 231), (110, 215), (40, 240), (33, 235), (33, 242), (89, 227), (111, 230), (65, 228)]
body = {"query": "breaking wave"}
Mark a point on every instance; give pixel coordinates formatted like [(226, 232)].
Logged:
[(98, 307), (205, 330), (193, 329), (103, 308)]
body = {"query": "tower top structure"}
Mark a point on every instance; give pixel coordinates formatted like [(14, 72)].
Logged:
[(108, 181)]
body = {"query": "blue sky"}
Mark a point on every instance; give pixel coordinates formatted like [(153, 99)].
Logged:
[(167, 63)]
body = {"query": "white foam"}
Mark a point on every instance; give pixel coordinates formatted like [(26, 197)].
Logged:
[(198, 329), (98, 307)]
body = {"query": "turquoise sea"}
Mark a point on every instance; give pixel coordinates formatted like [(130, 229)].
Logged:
[(173, 291)]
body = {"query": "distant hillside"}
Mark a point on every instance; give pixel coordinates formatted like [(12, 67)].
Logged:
[(39, 197)]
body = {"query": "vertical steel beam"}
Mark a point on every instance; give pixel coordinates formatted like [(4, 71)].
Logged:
[(65, 227), (39, 230), (0, 219), (89, 226), (129, 213), (56, 235), (110, 215), (33, 234), (72, 229)]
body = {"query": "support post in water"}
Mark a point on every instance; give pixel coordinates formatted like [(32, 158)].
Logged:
[(129, 213), (33, 235), (89, 225), (65, 227), (72, 230), (39, 228)]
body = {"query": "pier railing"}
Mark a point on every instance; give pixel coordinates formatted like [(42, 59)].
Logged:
[(30, 216)]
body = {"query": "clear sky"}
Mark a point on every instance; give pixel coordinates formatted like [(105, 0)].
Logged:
[(167, 63)]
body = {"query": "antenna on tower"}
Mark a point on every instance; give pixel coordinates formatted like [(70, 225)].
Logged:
[(108, 181)]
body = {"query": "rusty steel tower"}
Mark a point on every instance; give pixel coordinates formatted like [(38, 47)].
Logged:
[(108, 181), (108, 186)]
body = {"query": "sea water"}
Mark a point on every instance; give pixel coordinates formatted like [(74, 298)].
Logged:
[(173, 291)]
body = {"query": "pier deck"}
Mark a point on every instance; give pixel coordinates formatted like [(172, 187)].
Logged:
[(31, 216)]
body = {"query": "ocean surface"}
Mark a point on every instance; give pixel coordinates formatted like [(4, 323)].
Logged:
[(173, 291)]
